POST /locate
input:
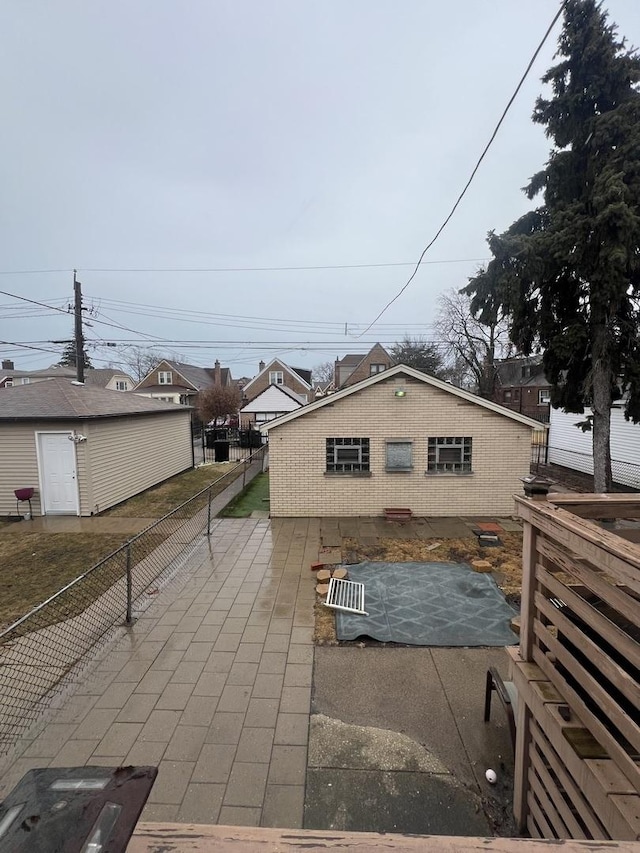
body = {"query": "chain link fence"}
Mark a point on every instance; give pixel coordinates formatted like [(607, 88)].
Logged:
[(40, 650), (623, 473)]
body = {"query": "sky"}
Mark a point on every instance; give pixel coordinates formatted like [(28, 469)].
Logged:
[(175, 153)]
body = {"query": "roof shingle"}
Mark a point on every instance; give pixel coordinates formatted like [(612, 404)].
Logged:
[(60, 399)]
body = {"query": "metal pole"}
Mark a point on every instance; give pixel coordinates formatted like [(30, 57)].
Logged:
[(244, 471), (209, 512), (129, 619)]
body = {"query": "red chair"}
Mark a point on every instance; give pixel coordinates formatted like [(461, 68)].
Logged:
[(24, 495)]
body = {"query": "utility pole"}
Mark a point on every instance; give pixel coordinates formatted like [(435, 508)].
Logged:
[(79, 337)]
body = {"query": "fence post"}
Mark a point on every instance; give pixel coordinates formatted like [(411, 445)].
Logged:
[(209, 511), (244, 471), (129, 619)]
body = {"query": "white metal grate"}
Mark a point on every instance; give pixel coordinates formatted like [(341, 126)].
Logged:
[(346, 595)]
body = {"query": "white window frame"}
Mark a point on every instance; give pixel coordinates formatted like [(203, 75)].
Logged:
[(8, 383), (376, 368), (165, 377), (276, 377), (122, 385), (407, 466), (26, 380), (438, 447), (544, 397), (338, 451)]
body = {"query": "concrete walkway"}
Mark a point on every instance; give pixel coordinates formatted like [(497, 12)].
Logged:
[(212, 684)]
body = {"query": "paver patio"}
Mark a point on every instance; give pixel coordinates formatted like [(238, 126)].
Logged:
[(212, 684)]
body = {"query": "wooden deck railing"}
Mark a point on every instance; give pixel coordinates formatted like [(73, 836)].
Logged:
[(577, 670)]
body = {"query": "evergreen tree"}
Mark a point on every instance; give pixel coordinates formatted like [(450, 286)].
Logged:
[(68, 358), (568, 272)]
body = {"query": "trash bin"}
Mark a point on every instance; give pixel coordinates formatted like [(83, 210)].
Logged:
[(221, 451)]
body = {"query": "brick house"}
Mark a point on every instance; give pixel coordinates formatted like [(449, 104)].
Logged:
[(294, 379), (522, 387), (399, 438), (176, 382), (355, 368)]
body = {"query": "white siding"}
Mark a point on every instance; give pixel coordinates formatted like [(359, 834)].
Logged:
[(19, 463), (128, 455), (272, 400), (571, 447)]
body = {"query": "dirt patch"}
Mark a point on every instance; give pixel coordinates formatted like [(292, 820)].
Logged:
[(324, 633), (505, 559)]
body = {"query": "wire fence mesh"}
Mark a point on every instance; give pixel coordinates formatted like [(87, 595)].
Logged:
[(39, 651)]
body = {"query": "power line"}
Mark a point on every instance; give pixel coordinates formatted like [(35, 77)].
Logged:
[(63, 311), (241, 269), (28, 346), (475, 168)]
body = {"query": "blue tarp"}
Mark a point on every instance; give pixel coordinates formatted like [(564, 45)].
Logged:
[(428, 604)]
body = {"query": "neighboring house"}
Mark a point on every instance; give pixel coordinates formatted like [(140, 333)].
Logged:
[(522, 386), (274, 401), (321, 389), (400, 438), (355, 368), (109, 378), (571, 447), (175, 382), (10, 377), (84, 449), (295, 379)]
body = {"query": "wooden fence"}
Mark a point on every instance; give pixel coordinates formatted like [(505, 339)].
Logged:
[(577, 670)]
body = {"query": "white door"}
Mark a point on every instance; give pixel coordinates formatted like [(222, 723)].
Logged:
[(57, 457)]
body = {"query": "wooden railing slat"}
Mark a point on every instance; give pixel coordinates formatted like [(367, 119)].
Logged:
[(589, 720), (618, 676), (614, 596)]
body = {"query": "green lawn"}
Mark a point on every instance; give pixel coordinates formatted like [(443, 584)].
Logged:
[(254, 497), (159, 500)]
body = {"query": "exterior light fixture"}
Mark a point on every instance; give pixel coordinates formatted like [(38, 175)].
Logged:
[(400, 392)]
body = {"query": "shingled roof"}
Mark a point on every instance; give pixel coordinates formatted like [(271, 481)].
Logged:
[(101, 376), (60, 399)]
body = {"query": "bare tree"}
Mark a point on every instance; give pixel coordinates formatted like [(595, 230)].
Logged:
[(140, 361), (323, 372), (472, 347), (418, 353), (218, 403)]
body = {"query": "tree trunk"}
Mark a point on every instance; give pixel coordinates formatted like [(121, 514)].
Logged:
[(601, 415)]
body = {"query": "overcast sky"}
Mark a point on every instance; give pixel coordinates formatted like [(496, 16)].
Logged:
[(148, 134)]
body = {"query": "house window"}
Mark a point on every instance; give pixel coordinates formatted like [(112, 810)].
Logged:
[(8, 383), (347, 455), (25, 380), (165, 399), (399, 455), (165, 377), (121, 385), (376, 368), (507, 396), (276, 377), (449, 455), (526, 371), (544, 397)]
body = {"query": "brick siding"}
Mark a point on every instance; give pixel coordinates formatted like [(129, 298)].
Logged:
[(297, 456)]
